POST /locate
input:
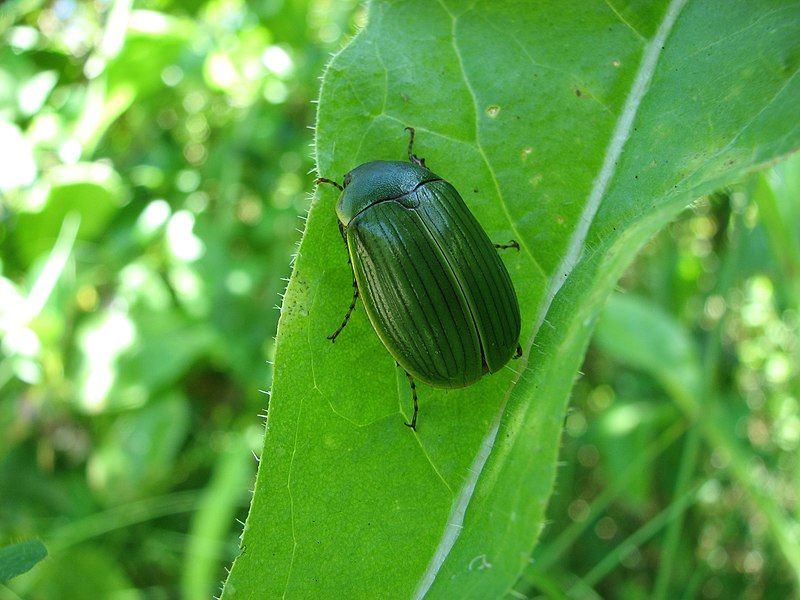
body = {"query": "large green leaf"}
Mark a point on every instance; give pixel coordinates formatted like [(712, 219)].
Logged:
[(578, 129)]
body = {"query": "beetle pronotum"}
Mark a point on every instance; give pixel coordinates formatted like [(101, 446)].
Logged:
[(433, 286)]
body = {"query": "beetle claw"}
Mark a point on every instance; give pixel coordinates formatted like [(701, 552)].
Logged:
[(413, 158), (511, 244), (413, 423)]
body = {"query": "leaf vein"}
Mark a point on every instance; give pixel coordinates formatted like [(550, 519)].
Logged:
[(512, 225), (291, 499), (574, 76), (739, 133), (625, 21), (690, 56)]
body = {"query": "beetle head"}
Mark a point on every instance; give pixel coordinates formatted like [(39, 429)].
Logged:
[(378, 181)]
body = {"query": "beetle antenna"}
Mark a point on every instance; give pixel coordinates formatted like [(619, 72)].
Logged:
[(411, 156), (329, 181)]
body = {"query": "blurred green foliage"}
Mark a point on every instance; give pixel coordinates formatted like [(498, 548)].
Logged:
[(18, 558), (154, 162), (681, 475)]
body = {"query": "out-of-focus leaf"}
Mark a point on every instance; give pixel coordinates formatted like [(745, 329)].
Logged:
[(17, 165), (126, 358), (635, 331), (102, 339), (15, 70), (225, 493), (569, 128), (240, 72), (85, 572), (154, 41), (92, 190), (639, 334), (626, 429), (165, 348), (18, 558), (776, 195), (138, 451)]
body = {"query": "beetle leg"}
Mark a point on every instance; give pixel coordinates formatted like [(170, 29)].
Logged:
[(413, 423), (319, 180), (332, 337), (510, 244), (518, 353), (411, 156)]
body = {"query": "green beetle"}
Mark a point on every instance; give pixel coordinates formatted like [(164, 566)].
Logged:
[(434, 288)]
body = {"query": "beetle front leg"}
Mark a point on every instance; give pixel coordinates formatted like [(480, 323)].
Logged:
[(413, 423), (319, 180), (511, 244)]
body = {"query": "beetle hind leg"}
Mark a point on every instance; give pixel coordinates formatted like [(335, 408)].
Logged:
[(420, 162), (413, 423)]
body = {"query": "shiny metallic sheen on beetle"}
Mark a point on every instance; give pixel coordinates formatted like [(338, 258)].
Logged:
[(432, 283)]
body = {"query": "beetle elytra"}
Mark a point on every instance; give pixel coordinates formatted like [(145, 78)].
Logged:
[(433, 286)]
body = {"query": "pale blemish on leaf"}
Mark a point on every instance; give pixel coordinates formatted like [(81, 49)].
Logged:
[(525, 153), (479, 563)]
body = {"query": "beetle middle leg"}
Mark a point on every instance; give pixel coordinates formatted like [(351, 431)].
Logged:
[(413, 423), (511, 244), (332, 337), (420, 162)]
